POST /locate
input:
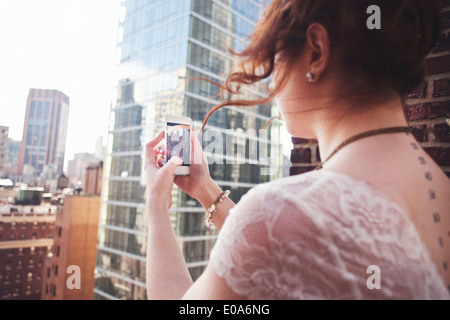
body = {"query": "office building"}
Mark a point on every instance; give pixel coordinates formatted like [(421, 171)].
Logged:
[(76, 168), (44, 132), (26, 236), (13, 157), (3, 150), (93, 179), (74, 253), (163, 48)]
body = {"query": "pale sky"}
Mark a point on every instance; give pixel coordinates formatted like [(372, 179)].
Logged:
[(67, 45)]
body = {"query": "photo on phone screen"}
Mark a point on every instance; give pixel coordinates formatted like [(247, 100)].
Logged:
[(178, 141)]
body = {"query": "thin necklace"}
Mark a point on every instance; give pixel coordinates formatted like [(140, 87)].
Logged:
[(364, 135)]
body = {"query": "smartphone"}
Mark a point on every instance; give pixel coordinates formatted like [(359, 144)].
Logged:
[(178, 141)]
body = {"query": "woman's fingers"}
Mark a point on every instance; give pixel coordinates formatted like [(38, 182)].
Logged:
[(172, 164), (150, 152), (153, 143), (160, 160), (160, 150)]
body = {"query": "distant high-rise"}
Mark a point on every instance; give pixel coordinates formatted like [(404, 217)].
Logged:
[(76, 168), (163, 48), (3, 150), (45, 130), (13, 156)]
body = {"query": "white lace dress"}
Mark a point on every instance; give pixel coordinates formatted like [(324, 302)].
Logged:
[(319, 236)]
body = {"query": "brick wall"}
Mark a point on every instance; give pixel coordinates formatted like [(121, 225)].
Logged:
[(426, 110)]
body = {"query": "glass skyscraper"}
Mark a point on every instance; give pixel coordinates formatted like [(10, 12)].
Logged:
[(164, 47)]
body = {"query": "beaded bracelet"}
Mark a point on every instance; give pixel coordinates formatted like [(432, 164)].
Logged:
[(212, 209)]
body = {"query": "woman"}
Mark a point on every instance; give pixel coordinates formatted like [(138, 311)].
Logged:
[(374, 221)]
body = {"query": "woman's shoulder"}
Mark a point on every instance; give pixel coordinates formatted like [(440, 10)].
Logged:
[(319, 196), (320, 185), (305, 182), (297, 184)]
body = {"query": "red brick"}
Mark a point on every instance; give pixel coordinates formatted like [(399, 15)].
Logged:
[(420, 132), (415, 112), (296, 140), (441, 132), (419, 92), (437, 109), (439, 64), (429, 110), (299, 170), (441, 88), (440, 155), (301, 155), (442, 43)]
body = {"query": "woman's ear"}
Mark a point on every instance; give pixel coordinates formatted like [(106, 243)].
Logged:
[(318, 43)]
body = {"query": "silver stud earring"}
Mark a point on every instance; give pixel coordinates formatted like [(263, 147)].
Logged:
[(310, 76)]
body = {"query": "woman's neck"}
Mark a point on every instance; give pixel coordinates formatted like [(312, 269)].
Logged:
[(332, 128)]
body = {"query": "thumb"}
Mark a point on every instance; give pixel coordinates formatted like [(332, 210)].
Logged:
[(171, 165)]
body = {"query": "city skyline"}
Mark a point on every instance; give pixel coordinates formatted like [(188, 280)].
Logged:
[(77, 48), (67, 46)]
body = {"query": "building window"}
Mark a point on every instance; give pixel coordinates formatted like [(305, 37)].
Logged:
[(5, 293), (28, 290)]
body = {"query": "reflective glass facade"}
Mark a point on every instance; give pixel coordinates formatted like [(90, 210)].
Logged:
[(163, 48)]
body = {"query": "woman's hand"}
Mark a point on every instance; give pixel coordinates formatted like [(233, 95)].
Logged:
[(199, 179), (159, 175), (199, 185)]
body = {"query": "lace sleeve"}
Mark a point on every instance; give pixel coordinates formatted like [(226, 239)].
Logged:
[(315, 236), (265, 250)]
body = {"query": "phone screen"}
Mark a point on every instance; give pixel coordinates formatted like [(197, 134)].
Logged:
[(178, 139)]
